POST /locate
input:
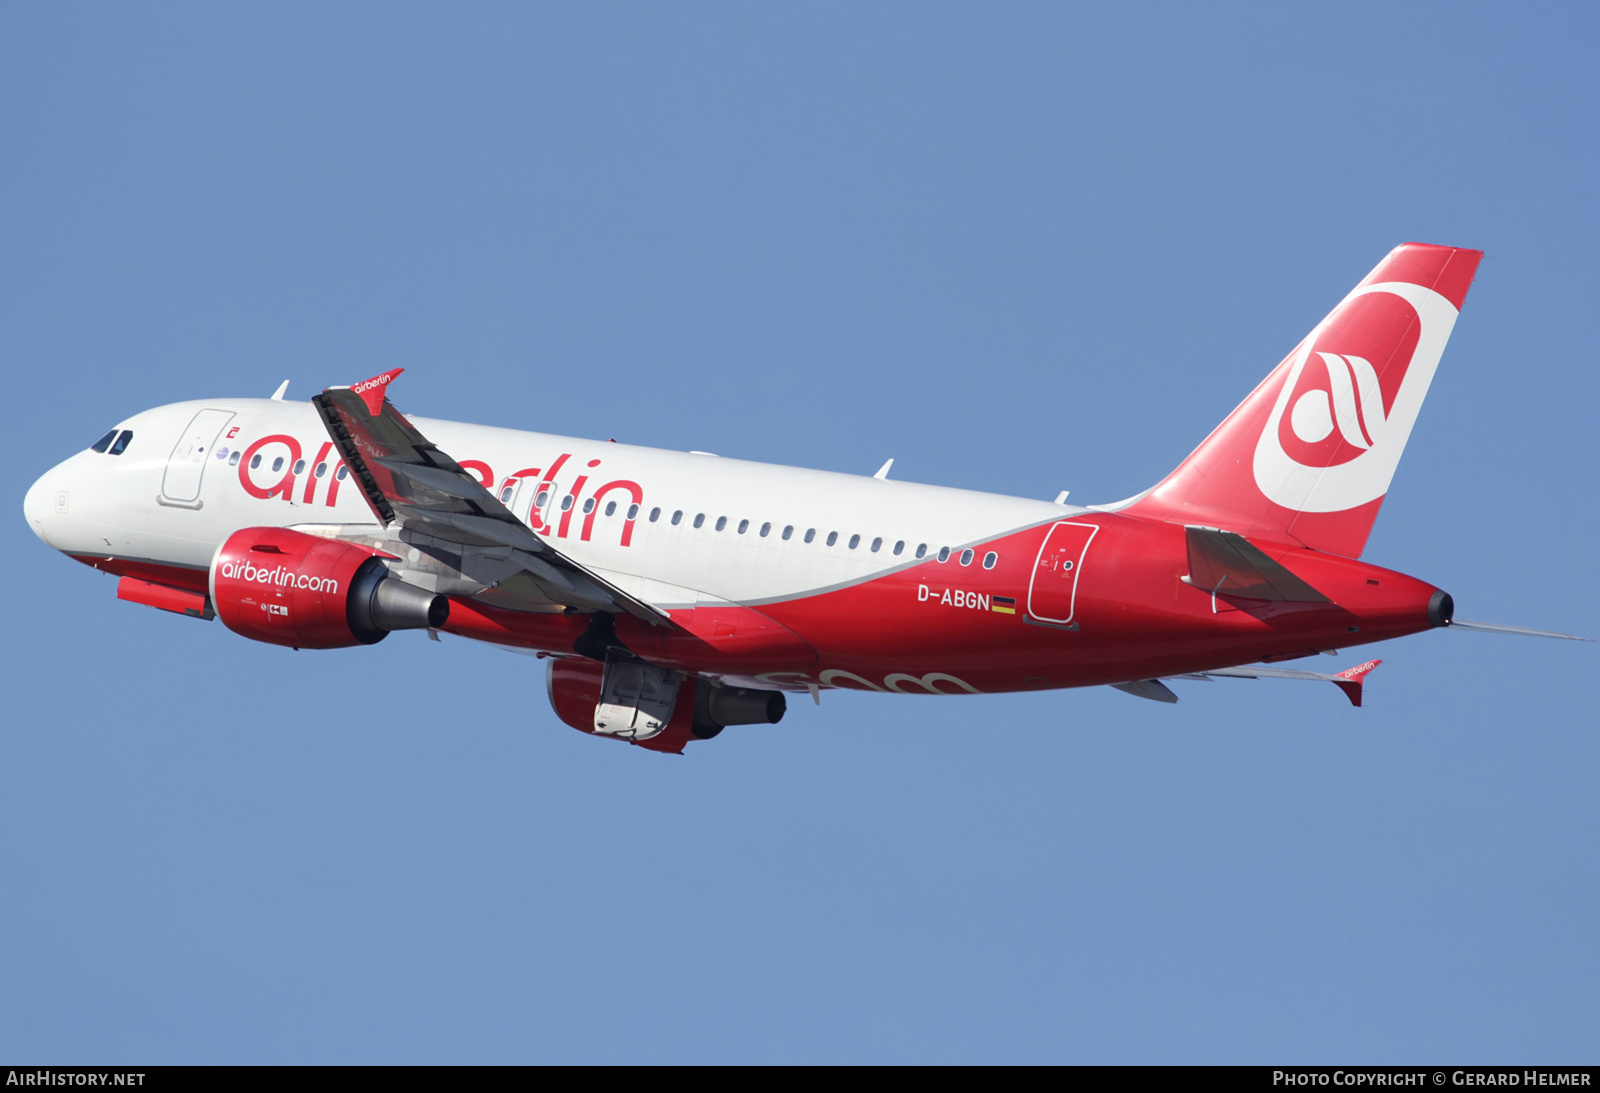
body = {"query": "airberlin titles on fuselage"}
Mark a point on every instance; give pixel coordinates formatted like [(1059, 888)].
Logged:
[(547, 501)]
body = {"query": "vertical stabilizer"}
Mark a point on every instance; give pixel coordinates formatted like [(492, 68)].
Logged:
[(1308, 457)]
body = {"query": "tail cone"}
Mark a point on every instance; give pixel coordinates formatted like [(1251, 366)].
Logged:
[(1441, 609)]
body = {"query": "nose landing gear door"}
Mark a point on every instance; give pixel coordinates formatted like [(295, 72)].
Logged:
[(180, 486)]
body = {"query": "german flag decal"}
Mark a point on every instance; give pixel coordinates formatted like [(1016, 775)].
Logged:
[(1005, 605)]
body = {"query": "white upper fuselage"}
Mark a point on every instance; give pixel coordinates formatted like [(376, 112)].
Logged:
[(145, 504)]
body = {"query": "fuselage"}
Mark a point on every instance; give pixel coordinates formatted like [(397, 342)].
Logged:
[(781, 576)]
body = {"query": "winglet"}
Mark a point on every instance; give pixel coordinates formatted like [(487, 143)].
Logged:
[(1349, 681), (372, 390)]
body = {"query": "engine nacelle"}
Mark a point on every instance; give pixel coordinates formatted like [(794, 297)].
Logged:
[(573, 684), (702, 711), (289, 588)]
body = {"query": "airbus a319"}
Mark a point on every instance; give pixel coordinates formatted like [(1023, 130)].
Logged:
[(677, 593)]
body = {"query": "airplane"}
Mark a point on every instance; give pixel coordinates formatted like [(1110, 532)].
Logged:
[(677, 593)]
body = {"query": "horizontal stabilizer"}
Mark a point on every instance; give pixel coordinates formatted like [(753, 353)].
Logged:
[(1497, 628), (1227, 564), (1349, 681)]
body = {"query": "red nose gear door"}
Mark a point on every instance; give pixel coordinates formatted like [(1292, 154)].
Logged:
[(1053, 591)]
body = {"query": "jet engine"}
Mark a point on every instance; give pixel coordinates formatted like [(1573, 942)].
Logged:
[(586, 695), (288, 588)]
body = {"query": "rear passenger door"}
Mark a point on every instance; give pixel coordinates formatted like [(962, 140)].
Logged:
[(1053, 589)]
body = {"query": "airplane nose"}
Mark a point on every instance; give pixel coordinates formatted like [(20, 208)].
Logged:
[(43, 500)]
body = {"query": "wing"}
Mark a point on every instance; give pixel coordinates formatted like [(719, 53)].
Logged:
[(408, 481), (1349, 681)]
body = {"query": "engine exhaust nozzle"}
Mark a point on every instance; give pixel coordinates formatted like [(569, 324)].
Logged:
[(380, 603)]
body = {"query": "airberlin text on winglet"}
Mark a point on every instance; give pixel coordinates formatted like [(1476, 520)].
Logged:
[(371, 391)]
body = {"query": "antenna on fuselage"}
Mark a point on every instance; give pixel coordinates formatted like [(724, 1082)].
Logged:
[(277, 396), (883, 471)]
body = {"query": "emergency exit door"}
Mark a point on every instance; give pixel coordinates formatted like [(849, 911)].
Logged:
[(1053, 591)]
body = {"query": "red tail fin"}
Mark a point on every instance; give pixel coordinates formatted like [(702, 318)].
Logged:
[(1308, 457)]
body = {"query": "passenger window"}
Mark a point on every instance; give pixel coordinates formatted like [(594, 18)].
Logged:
[(788, 530), (121, 444), (722, 522), (922, 550), (655, 514), (233, 460), (677, 518), (341, 474), (633, 512), (103, 443), (277, 464), (855, 541), (899, 547), (744, 526), (766, 529), (566, 502), (944, 554), (833, 537), (322, 469), (699, 519), (966, 556), (588, 506), (811, 533), (877, 544), (542, 500), (990, 559), (255, 461), (611, 508), (299, 466)]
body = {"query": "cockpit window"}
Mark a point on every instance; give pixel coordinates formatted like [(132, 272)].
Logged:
[(121, 444), (104, 442)]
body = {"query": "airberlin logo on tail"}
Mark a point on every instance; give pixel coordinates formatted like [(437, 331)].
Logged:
[(1346, 397), (1351, 395)]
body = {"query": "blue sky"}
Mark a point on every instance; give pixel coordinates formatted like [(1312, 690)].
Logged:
[(1022, 249)]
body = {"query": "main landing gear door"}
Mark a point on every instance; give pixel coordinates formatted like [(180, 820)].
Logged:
[(1053, 591), (180, 486)]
